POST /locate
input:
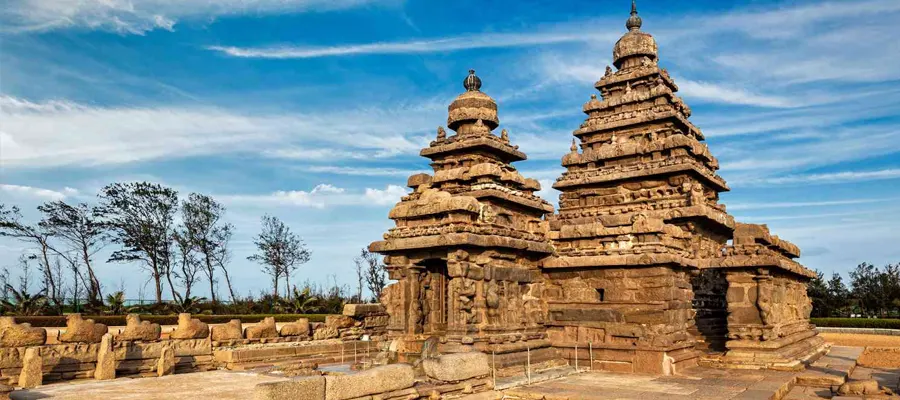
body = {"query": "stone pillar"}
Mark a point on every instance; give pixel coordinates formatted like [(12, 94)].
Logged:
[(32, 374), (416, 319), (166, 363), (106, 359)]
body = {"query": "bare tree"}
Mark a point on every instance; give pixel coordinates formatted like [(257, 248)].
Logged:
[(141, 217), (11, 226), (360, 275), (280, 251), (187, 262), (209, 235), (82, 235), (376, 277)]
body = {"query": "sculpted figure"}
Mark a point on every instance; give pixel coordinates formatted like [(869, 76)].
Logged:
[(229, 331), (697, 197), (135, 329), (492, 301), (264, 329), (441, 133), (504, 135), (609, 71), (80, 330), (189, 328), (20, 335)]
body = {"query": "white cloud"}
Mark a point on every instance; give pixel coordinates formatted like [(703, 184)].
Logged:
[(482, 41), (826, 178), (364, 171), (57, 133), (388, 196), (720, 93), (38, 193), (141, 16), (795, 204), (326, 188)]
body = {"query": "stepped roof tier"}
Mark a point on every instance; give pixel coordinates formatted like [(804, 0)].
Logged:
[(475, 196)]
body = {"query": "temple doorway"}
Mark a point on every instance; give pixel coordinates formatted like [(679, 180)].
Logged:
[(711, 328), (436, 299)]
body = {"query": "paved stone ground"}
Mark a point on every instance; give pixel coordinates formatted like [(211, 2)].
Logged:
[(219, 385), (697, 383)]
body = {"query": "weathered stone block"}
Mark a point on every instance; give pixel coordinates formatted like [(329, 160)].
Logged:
[(166, 363), (457, 367), (32, 373), (339, 322), (228, 331), (324, 333), (362, 310), (106, 359), (297, 328), (308, 388), (264, 329), (79, 330), (376, 380)]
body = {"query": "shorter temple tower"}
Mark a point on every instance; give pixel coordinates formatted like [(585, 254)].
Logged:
[(468, 242)]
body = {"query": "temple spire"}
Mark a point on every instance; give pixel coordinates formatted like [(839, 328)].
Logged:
[(634, 21), (472, 82)]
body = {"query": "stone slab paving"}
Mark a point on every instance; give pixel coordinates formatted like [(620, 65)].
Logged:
[(697, 383), (831, 369), (219, 385)]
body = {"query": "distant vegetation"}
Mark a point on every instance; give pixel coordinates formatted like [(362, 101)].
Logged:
[(873, 293), (177, 244)]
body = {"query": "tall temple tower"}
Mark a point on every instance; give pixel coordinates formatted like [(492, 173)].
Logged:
[(468, 241), (641, 265)]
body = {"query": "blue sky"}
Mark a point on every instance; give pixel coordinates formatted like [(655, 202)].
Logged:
[(314, 110)]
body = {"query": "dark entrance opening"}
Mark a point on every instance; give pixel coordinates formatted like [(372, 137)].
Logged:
[(436, 299), (711, 328)]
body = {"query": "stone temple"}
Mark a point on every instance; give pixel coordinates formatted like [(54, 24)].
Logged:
[(641, 269)]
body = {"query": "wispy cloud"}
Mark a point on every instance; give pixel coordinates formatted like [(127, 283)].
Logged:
[(58, 133), (321, 196), (483, 41), (826, 178), (364, 171), (36, 192), (139, 17), (796, 204)]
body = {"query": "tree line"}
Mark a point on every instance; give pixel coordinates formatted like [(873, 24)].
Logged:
[(872, 292), (177, 243)]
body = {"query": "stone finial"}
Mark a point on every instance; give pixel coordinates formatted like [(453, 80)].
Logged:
[(32, 374), (504, 135), (609, 71), (106, 359), (472, 82), (634, 21), (441, 133), (574, 147)]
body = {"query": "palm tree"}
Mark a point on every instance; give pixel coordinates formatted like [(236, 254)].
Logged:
[(23, 304), (115, 303), (302, 302)]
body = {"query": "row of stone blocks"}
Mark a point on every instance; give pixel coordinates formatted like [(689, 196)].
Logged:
[(452, 374)]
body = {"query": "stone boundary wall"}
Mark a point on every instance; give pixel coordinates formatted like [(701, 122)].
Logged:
[(449, 375), (142, 349), (859, 331)]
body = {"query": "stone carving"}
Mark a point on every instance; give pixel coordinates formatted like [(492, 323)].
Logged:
[(228, 331), (264, 329), (135, 329), (297, 328), (20, 335), (79, 330), (189, 328), (441, 133)]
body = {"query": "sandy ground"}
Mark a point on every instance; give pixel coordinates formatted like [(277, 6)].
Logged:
[(881, 351), (218, 385), (857, 340)]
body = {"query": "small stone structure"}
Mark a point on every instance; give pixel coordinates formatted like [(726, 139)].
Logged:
[(106, 359), (641, 262), (230, 331), (300, 327), (166, 364), (264, 329), (32, 374)]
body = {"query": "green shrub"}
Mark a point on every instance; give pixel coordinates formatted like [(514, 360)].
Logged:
[(857, 323), (119, 320)]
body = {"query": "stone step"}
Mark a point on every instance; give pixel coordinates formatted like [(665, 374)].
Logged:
[(542, 376), (832, 369)]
